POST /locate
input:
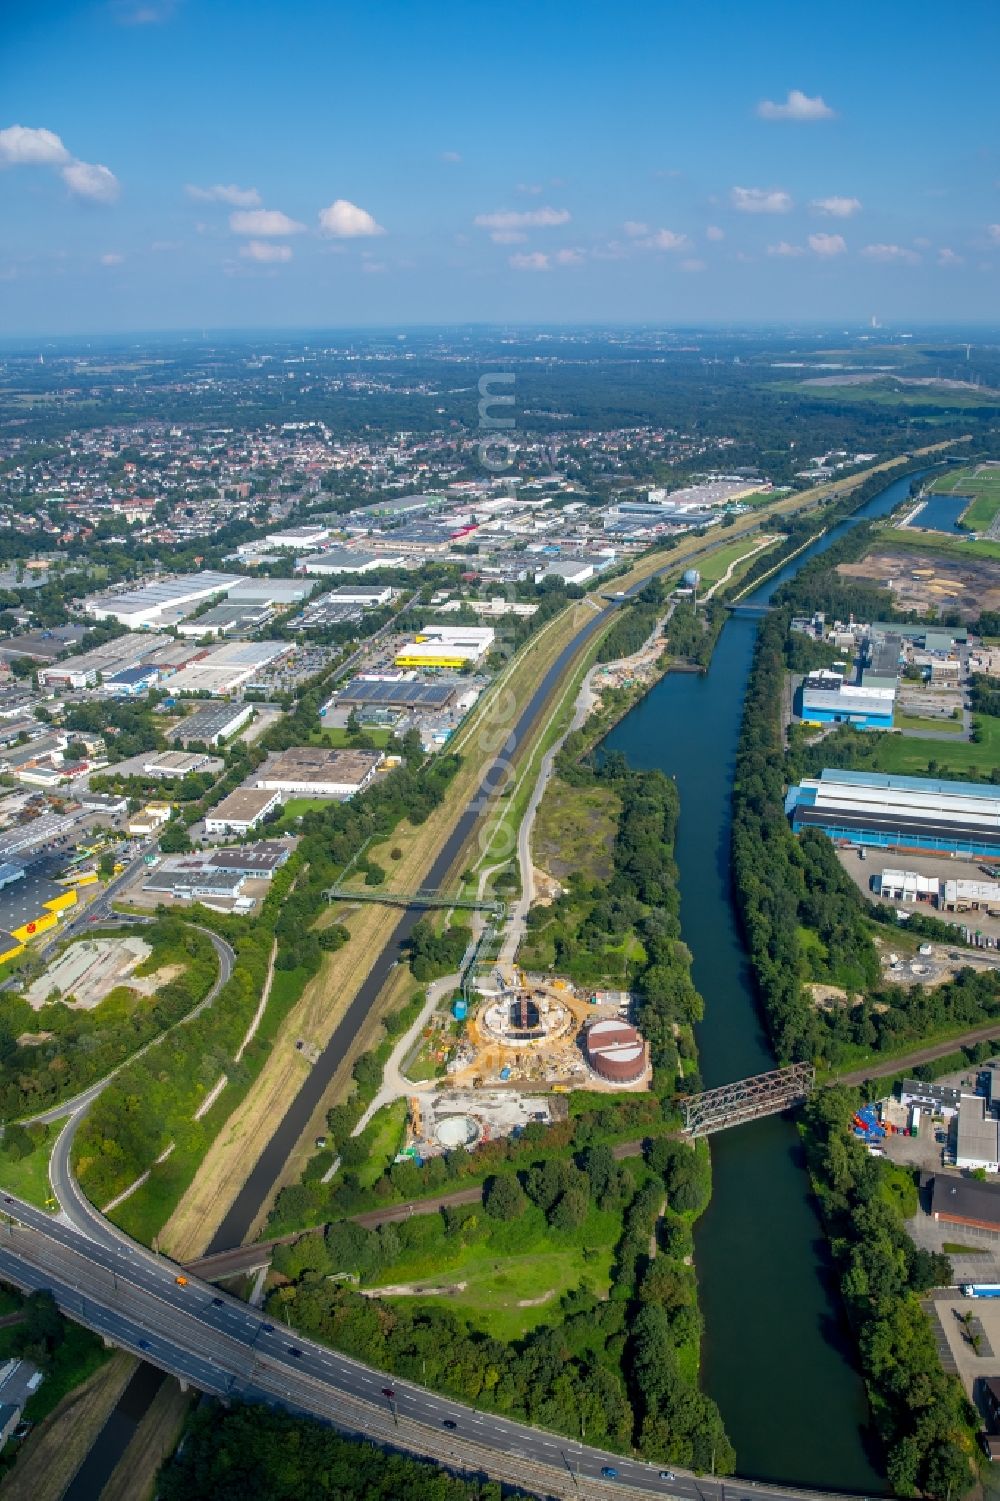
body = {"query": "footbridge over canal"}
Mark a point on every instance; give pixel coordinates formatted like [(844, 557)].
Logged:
[(747, 1099)]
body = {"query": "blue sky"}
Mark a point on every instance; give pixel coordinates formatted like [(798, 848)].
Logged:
[(234, 163)]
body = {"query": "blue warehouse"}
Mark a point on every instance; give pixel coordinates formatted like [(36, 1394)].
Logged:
[(896, 812)]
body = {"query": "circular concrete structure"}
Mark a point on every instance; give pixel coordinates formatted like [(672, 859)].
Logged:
[(457, 1131), (616, 1052)]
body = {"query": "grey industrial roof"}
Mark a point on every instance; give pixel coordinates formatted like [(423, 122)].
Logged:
[(965, 1197)]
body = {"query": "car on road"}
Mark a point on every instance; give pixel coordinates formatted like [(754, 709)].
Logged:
[(144, 1344), (667, 1475), (216, 1302), (609, 1472), (294, 1350), (181, 1281), (449, 1423)]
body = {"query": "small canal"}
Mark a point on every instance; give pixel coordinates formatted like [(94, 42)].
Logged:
[(777, 1356)]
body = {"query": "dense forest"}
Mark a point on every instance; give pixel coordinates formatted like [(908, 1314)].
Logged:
[(228, 1453)]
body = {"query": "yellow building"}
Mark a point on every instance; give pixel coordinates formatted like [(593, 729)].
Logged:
[(47, 919)]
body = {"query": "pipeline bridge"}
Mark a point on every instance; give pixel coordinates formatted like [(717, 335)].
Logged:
[(747, 1099)]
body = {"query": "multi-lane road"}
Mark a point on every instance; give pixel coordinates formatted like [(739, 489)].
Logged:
[(223, 1346)]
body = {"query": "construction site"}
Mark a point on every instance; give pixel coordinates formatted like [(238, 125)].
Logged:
[(532, 1032)]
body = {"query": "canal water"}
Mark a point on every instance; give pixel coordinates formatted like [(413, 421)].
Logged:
[(941, 513), (777, 1356)]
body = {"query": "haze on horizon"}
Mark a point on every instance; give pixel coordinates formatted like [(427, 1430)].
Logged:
[(177, 164)]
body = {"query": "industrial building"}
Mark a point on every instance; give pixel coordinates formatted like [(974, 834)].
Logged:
[(163, 602), (616, 1052), (942, 1099), (31, 902), (827, 699), (83, 671), (260, 860), (965, 1201), (978, 1141), (211, 726), (898, 812), (394, 693), (314, 771), (242, 810), (437, 655), (298, 538), (226, 620), (228, 667), (341, 560), (356, 594), (949, 895), (133, 682)]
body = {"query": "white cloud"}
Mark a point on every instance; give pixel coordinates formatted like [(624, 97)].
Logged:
[(346, 221), (783, 248), (827, 245), (888, 253), (91, 180), (508, 237), (693, 264), (993, 232), (797, 106), (948, 257), (569, 257), (111, 258), (533, 218), (263, 221), (713, 232), (634, 228), (532, 189), (260, 250), (28, 146), (837, 208), (667, 239), (24, 146), (236, 197), (532, 260), (761, 200)]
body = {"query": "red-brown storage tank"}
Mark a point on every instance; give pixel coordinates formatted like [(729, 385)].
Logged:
[(616, 1052)]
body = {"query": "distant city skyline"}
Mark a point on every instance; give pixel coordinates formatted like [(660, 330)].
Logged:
[(176, 164)]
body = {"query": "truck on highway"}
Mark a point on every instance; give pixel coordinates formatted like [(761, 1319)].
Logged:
[(981, 1289)]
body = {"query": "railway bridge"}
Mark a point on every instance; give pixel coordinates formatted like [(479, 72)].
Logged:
[(747, 1099)]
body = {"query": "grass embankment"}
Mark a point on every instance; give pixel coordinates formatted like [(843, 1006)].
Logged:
[(134, 1478), (51, 1455), (952, 545)]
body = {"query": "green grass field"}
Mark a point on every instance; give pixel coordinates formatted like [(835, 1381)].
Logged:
[(946, 544), (575, 829), (513, 1276), (28, 1177), (888, 394), (897, 753), (942, 727), (339, 739), (983, 487)]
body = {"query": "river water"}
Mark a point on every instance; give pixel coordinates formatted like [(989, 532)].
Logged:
[(777, 1356)]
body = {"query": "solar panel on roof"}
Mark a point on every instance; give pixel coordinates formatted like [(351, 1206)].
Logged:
[(433, 695)]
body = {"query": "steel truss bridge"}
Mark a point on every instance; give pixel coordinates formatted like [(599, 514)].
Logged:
[(747, 1099)]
